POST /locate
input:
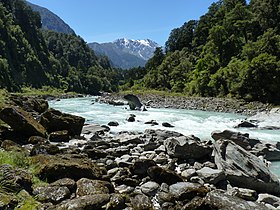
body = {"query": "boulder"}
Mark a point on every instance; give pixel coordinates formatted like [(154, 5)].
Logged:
[(59, 136), (91, 187), (246, 124), (54, 120), (187, 190), (244, 169), (167, 125), (268, 151), (44, 149), (149, 188), (133, 102), (53, 194), (117, 201), (131, 118), (113, 123), (269, 199), (218, 199), (94, 129), (141, 166), (22, 122), (187, 148), (65, 182), (242, 139), (54, 167), (246, 194), (161, 175), (151, 122), (30, 103), (141, 202), (212, 176), (96, 201)]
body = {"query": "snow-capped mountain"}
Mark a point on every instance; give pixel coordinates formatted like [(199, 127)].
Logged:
[(126, 53)]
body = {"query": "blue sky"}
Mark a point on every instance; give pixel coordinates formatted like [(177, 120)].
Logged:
[(107, 20)]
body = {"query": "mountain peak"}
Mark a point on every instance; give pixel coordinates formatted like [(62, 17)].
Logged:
[(127, 53)]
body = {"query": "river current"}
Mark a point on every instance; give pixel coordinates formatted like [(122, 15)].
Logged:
[(187, 122)]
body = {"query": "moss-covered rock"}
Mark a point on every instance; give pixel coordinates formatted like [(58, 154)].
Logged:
[(54, 167), (54, 120)]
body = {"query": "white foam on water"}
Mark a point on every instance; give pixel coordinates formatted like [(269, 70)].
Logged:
[(187, 122)]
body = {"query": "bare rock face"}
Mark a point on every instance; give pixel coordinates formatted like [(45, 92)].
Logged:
[(244, 169), (22, 122)]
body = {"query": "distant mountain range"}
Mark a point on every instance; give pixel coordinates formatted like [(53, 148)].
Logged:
[(51, 21), (126, 53)]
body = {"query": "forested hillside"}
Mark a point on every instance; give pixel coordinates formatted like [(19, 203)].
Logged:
[(231, 51), (32, 57)]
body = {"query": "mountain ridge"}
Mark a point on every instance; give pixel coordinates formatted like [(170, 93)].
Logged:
[(126, 53), (50, 20)]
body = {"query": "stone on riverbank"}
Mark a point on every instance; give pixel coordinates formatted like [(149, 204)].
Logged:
[(187, 148), (244, 169), (54, 120), (54, 167), (22, 122)]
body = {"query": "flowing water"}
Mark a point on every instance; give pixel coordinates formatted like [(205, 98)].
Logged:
[(187, 122)]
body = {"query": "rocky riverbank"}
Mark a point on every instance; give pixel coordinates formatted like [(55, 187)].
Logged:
[(85, 167), (193, 103)]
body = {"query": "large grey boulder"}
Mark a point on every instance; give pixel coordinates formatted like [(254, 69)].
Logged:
[(134, 102), (187, 148), (53, 194), (242, 139), (91, 187), (218, 199), (96, 201), (212, 176), (244, 169)]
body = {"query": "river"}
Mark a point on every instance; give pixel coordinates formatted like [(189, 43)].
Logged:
[(187, 122)]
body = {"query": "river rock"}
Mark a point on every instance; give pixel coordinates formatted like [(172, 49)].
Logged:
[(161, 175), (187, 148), (246, 124), (242, 139), (54, 167), (212, 176), (44, 149), (37, 140), (218, 199), (117, 202), (131, 118), (65, 182), (141, 166), (141, 202), (244, 169), (133, 102), (167, 125), (187, 190), (22, 122), (54, 120), (94, 129), (91, 187), (246, 194), (96, 201), (269, 199), (268, 151), (59, 136), (113, 123), (151, 122), (149, 188), (53, 194)]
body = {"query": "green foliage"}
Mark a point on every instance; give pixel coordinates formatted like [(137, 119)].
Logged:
[(31, 57), (13, 158), (231, 51)]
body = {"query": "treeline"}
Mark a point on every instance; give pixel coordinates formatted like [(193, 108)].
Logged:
[(231, 51), (32, 57)]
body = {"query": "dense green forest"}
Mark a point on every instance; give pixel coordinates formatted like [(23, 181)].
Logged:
[(231, 51), (32, 57)]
